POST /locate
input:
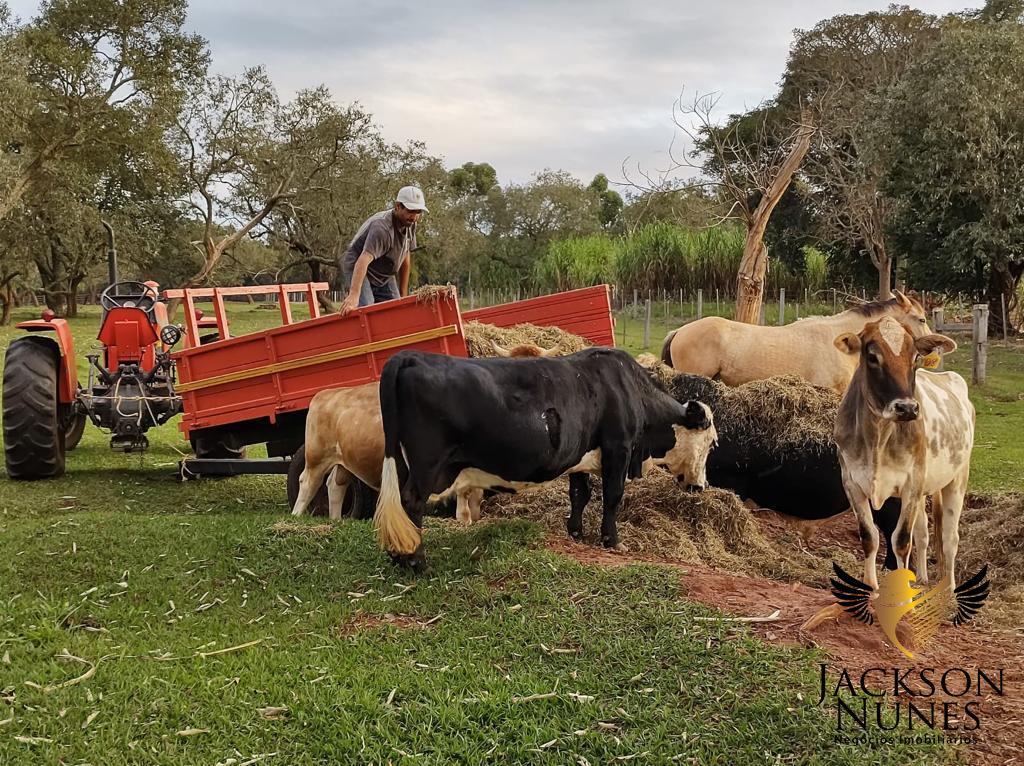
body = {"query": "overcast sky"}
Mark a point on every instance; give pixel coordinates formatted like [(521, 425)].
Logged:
[(523, 85)]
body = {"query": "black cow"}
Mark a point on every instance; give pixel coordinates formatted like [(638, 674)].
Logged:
[(807, 484), (452, 423)]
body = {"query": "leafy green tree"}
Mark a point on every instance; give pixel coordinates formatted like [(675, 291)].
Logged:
[(956, 123), (88, 74), (843, 68), (610, 201)]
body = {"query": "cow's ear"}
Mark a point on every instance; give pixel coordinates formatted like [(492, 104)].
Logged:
[(848, 343), (930, 343), (903, 300)]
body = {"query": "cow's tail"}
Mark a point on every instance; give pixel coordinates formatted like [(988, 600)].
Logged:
[(396, 532), (666, 348)]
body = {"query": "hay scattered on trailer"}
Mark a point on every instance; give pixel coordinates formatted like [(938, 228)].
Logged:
[(992, 532), (480, 336), (777, 415), (434, 293), (659, 518)]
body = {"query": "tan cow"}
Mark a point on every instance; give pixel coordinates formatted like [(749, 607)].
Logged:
[(907, 433), (344, 432), (738, 353)]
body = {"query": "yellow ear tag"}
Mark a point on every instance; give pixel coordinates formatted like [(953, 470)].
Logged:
[(932, 361)]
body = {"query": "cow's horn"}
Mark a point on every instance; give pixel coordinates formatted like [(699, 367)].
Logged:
[(500, 350), (553, 351)]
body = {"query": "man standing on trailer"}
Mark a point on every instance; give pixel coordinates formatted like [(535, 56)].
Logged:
[(376, 265)]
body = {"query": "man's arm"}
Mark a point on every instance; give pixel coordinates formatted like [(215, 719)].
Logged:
[(403, 275), (351, 301)]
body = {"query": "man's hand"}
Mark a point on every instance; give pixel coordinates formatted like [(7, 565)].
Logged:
[(350, 304)]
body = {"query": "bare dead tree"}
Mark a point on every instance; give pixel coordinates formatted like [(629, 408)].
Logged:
[(747, 162)]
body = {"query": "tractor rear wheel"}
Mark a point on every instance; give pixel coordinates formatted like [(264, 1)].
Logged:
[(34, 433)]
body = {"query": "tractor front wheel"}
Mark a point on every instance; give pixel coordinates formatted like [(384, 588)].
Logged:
[(34, 431)]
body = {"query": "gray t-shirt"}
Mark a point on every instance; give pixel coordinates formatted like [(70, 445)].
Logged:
[(389, 245)]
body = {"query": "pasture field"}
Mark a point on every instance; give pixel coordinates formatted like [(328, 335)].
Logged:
[(208, 630)]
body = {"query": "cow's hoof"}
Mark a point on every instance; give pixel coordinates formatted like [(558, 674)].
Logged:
[(614, 545), (417, 561), (576, 533)]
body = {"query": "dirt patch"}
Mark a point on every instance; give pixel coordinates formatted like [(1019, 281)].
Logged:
[(992, 533), (363, 621)]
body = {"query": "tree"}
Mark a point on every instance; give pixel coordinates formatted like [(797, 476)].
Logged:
[(609, 200), (956, 153), (751, 160), (473, 178), (81, 68), (843, 69)]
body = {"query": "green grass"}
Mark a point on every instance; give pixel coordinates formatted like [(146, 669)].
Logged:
[(120, 560)]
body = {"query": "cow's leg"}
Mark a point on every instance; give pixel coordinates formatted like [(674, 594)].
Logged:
[(309, 484), (868, 532), (476, 498), (463, 513), (415, 506), (920, 546), (903, 539), (885, 519), (613, 484), (938, 513), (337, 487), (579, 496), (949, 538)]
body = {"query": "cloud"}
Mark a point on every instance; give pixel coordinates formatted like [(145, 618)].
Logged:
[(527, 85)]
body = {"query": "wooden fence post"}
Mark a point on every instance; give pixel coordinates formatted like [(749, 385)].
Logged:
[(647, 324), (834, 300), (938, 318), (782, 306), (1002, 301), (700, 303), (718, 303), (980, 342)]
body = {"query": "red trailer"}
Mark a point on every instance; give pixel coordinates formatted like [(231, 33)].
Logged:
[(256, 388)]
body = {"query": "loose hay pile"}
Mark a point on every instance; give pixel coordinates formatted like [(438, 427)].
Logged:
[(433, 293), (657, 518), (480, 338), (777, 415), (992, 532)]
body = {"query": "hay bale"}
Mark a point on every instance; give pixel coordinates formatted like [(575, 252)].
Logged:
[(481, 336), (992, 532), (658, 518), (774, 416)]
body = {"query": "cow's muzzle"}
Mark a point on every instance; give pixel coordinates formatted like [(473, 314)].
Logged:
[(903, 410)]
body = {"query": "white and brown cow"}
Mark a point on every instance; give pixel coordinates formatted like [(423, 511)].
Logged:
[(904, 432)]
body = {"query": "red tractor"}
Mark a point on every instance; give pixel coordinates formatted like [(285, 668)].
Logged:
[(130, 387)]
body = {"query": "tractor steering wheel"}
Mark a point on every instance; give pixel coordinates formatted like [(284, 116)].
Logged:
[(136, 295)]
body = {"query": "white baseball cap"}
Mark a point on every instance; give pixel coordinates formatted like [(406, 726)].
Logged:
[(411, 198)]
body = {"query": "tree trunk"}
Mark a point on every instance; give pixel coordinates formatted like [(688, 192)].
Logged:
[(754, 264), (73, 298), (1002, 293), (7, 297), (884, 266)]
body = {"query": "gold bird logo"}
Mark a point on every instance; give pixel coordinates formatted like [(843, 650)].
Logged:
[(924, 610)]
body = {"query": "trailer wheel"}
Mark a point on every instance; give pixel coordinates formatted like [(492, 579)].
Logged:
[(360, 500), (34, 436), (206, 448)]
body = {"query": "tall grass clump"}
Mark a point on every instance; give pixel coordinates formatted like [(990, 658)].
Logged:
[(664, 256), (577, 262), (815, 269)]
